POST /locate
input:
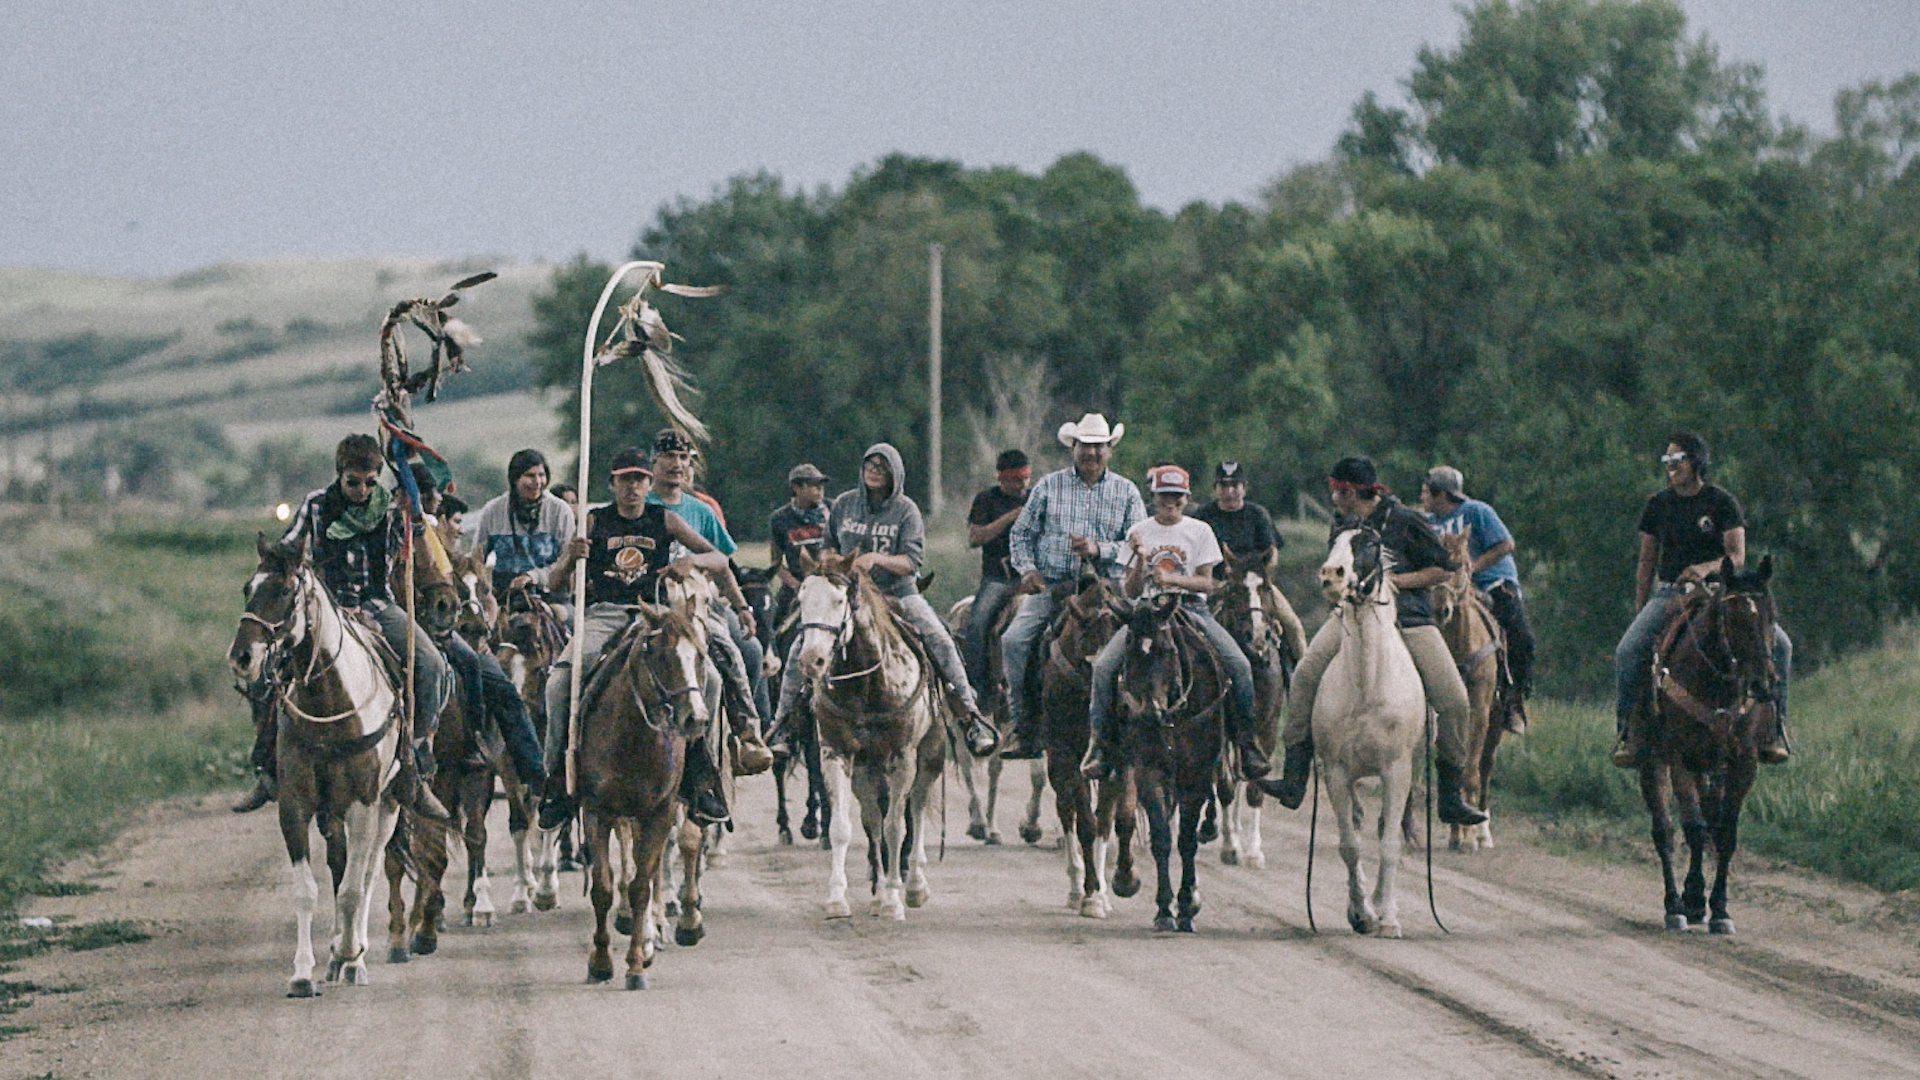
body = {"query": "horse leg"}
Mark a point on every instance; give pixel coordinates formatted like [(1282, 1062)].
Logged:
[(691, 926), (893, 834), (1726, 837), (600, 892), (294, 820), (620, 860), (1395, 788), (648, 851), (1484, 836), (1655, 786), (780, 820), (1124, 817), (518, 818), (1209, 827), (918, 889), (368, 827), (820, 805), (396, 872), (1696, 807), (1254, 855), (1229, 825), (839, 837), (478, 902), (430, 854), (1067, 795), (994, 768), (1344, 796), (546, 867), (970, 769), (1193, 803), (1030, 825), (1153, 796)]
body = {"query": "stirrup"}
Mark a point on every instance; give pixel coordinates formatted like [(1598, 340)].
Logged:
[(751, 755), (265, 788)]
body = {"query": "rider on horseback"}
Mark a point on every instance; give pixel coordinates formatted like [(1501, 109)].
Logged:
[(799, 526), (627, 547), (879, 522), (1490, 547), (523, 529), (1081, 512), (1242, 527), (1173, 553), (989, 521), (348, 527), (1685, 531), (1420, 562)]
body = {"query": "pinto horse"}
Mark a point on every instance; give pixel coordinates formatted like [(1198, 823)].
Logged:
[(1716, 680), (531, 638), (802, 737), (1258, 616), (339, 735), (980, 812), (882, 729), (1474, 638), (1369, 718)]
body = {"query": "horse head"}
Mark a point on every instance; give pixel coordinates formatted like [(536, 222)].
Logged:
[(1242, 598), (1742, 619), (1149, 673), (479, 613), (825, 604), (1089, 617), (673, 654), (1356, 570), (276, 610), (1447, 596)]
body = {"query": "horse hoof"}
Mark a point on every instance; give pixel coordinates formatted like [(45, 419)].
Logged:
[(545, 901), (826, 843), (1360, 925), (637, 982), (1720, 926), (519, 907), (568, 866), (597, 974), (1676, 922), (977, 831), (301, 988), (672, 909), (1207, 833), (786, 836), (897, 912), (1163, 924), (1075, 899), (1229, 856), (993, 839), (623, 924), (333, 970), (1454, 845), (810, 829), (839, 909), (1030, 833), (1125, 885), (1092, 908), (877, 908), (424, 945), (398, 954), (1389, 930), (688, 936), (716, 860), (1256, 861), (917, 898), (1184, 924)]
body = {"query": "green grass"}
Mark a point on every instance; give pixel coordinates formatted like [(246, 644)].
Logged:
[(1848, 804)]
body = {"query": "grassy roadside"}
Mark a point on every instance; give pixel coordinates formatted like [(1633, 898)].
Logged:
[(1848, 804)]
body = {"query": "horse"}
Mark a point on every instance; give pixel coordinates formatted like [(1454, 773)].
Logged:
[(1089, 812), (1172, 698), (643, 702), (980, 814), (1479, 650), (802, 737), (1715, 682), (337, 750), (883, 730), (531, 638), (1257, 615), (1369, 718)]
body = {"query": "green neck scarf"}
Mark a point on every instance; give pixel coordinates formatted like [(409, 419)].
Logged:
[(362, 519)]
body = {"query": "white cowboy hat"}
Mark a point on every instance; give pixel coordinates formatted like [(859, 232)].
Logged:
[(1092, 428)]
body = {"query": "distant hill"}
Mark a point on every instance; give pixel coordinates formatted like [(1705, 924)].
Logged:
[(263, 350)]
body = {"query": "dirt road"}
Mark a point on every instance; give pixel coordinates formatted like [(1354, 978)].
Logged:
[(1555, 966)]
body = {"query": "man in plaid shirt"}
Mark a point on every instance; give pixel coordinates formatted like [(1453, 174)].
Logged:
[(1082, 511)]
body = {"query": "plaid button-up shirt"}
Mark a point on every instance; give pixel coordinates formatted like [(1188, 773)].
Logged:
[(1062, 505)]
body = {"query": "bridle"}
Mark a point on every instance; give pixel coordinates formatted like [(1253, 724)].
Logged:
[(842, 631)]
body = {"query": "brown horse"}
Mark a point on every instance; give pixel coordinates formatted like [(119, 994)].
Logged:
[(337, 746), (1474, 638), (1258, 616), (636, 714), (1715, 680), (1089, 813)]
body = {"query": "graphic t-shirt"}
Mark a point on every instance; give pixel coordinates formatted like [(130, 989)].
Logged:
[(1181, 548), (1690, 528), (625, 555), (795, 530), (996, 555), (1483, 529)]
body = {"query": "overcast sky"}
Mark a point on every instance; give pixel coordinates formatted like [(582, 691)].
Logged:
[(150, 136)]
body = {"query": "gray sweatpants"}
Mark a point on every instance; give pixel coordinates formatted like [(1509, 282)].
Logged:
[(1446, 693)]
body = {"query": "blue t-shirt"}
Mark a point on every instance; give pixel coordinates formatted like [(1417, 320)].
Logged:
[(1484, 530), (701, 516)]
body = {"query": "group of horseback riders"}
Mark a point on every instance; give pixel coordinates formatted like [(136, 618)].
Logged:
[(1036, 539)]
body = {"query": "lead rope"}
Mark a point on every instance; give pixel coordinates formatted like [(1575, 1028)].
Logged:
[(1431, 906), (1313, 831)]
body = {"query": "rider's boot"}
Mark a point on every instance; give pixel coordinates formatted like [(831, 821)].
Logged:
[(1097, 764), (1449, 807), (700, 786), (982, 737), (1514, 719), (753, 756), (1022, 743), (1253, 760), (266, 772), (1290, 790), (779, 741), (1774, 749), (265, 788), (1628, 746), (417, 782)]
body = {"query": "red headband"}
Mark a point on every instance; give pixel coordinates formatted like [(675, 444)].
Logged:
[(1020, 472), (1336, 484)]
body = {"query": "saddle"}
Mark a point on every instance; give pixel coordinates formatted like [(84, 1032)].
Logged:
[(1192, 647), (390, 659), (613, 657)]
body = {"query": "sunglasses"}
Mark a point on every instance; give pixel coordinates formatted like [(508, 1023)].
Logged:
[(1672, 459)]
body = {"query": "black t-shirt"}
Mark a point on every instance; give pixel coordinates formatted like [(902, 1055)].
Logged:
[(794, 530), (996, 555), (625, 555), (1246, 532), (1690, 528), (1414, 546)]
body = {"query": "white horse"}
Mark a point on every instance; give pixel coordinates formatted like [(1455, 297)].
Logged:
[(1369, 718)]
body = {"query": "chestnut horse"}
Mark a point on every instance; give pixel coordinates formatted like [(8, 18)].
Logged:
[(1474, 638)]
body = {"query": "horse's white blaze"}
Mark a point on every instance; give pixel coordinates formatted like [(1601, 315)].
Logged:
[(687, 656), (823, 606), (254, 583), (1256, 604)]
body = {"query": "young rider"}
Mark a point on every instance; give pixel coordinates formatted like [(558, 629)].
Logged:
[(799, 526), (348, 527), (627, 546), (1685, 531), (1172, 553), (1419, 563), (1490, 554), (1079, 512), (881, 527), (1243, 528), (523, 529), (989, 521)]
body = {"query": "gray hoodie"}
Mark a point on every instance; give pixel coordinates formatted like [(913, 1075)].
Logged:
[(891, 526)]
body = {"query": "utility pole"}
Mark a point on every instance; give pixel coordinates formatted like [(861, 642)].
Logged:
[(933, 378)]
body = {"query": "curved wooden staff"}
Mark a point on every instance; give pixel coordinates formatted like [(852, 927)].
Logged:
[(640, 332)]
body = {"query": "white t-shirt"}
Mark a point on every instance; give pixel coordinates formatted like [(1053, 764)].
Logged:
[(1186, 547)]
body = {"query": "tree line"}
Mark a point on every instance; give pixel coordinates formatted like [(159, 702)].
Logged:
[(1581, 230)]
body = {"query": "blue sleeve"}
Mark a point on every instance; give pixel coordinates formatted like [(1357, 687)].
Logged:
[(1488, 530)]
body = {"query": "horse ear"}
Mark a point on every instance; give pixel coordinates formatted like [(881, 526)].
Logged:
[(1726, 568), (925, 581), (264, 546), (1766, 569)]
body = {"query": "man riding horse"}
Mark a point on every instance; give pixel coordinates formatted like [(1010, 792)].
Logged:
[(1075, 513), (880, 525), (1172, 553), (989, 520), (799, 526), (1419, 562), (1685, 531), (350, 531), (1490, 553), (628, 547)]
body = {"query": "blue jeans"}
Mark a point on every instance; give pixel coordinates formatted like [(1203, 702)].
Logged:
[(1633, 657), (489, 689), (429, 667), (988, 601), (1016, 651), (1106, 670)]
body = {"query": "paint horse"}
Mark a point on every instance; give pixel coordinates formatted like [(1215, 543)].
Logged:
[(803, 738), (340, 732), (1474, 638), (980, 812), (1259, 617), (883, 730), (1369, 718)]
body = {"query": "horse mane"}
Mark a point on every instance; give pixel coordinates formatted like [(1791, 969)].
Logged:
[(886, 628)]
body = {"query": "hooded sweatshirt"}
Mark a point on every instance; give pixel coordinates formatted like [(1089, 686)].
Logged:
[(890, 526)]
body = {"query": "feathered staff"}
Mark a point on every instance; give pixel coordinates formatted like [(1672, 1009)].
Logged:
[(640, 332)]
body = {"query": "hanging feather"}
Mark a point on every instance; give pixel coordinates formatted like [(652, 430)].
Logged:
[(448, 337), (642, 332)]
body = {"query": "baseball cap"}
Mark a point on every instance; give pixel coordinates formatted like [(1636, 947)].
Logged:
[(1447, 479), (632, 459), (1229, 472), (1168, 478), (807, 473)]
